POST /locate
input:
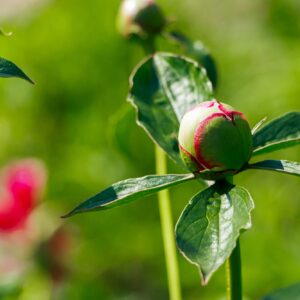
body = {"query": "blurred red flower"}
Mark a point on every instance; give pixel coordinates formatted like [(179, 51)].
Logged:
[(21, 185)]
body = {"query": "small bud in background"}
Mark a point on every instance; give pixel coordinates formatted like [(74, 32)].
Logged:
[(140, 17), (20, 190), (214, 136)]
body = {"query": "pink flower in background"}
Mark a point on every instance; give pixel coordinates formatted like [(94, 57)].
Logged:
[(21, 185)]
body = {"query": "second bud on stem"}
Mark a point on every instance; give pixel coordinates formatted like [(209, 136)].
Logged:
[(140, 17)]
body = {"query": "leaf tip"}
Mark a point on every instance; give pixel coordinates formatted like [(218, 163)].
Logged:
[(205, 278), (28, 79), (69, 214)]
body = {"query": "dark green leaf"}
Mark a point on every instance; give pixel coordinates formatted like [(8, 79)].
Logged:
[(209, 226), (282, 166), (9, 69), (128, 190), (290, 293), (280, 133), (197, 51), (163, 88)]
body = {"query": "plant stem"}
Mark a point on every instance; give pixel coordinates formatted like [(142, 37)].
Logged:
[(148, 44), (168, 230), (234, 274), (166, 220)]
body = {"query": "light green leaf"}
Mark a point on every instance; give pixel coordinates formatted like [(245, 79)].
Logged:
[(280, 133), (289, 293), (125, 191), (209, 226), (9, 69), (282, 166), (163, 88)]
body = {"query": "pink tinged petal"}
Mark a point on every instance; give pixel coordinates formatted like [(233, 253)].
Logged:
[(205, 104), (198, 137), (230, 113)]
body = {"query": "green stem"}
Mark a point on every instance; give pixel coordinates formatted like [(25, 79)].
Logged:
[(164, 204), (168, 230), (234, 275)]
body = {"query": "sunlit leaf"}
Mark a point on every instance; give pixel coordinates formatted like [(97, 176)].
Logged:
[(163, 88), (125, 191), (280, 133), (209, 226), (282, 166)]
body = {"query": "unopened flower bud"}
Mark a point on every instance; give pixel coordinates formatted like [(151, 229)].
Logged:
[(214, 136), (140, 17)]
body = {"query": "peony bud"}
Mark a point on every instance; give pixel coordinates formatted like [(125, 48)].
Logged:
[(140, 17), (214, 136)]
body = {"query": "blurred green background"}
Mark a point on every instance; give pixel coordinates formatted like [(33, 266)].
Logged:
[(68, 119)]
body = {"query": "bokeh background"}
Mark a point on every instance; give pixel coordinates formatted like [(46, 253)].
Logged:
[(77, 121)]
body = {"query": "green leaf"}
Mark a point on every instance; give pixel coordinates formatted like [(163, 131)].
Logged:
[(197, 51), (163, 88), (128, 190), (209, 226), (289, 293), (282, 166), (280, 133), (9, 69)]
